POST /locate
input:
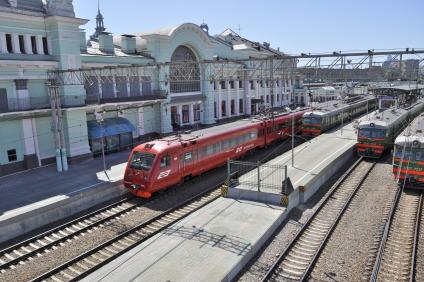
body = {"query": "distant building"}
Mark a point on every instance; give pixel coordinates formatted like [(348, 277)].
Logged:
[(407, 69)]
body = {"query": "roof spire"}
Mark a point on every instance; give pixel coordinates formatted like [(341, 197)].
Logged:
[(99, 23)]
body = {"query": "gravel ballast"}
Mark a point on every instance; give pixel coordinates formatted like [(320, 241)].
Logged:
[(346, 253), (166, 200), (289, 228), (419, 263)]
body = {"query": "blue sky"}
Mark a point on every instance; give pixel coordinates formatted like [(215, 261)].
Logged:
[(293, 25)]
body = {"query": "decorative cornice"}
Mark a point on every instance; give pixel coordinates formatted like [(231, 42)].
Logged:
[(22, 63)]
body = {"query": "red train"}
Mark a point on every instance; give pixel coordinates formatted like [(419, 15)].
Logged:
[(161, 163)]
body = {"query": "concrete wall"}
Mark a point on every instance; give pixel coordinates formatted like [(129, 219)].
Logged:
[(17, 223)]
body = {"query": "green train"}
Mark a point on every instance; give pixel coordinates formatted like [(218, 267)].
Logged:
[(330, 114), (408, 155), (379, 132)]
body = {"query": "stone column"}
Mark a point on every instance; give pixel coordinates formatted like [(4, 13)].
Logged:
[(219, 104), (247, 99), (99, 85), (180, 114), (28, 45), (15, 43), (140, 126), (128, 86), (229, 97), (237, 102), (3, 46), (31, 159), (49, 46), (190, 114), (208, 116), (22, 94), (39, 40)]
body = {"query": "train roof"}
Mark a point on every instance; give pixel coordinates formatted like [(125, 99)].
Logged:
[(191, 135), (326, 108), (382, 118), (414, 132)]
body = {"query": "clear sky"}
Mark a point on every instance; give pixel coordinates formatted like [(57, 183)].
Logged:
[(293, 25)]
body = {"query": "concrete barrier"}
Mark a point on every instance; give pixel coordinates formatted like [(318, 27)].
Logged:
[(301, 194), (26, 219)]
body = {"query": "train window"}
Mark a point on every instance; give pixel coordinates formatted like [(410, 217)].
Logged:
[(419, 156), (187, 157), (311, 120), (372, 133), (233, 141), (225, 144), (209, 150), (142, 160), (253, 135), (165, 161), (217, 147)]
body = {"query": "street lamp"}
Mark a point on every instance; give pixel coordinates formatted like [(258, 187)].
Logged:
[(292, 133), (100, 120)]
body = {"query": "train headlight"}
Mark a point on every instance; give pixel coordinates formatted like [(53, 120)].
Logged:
[(372, 124), (415, 143)]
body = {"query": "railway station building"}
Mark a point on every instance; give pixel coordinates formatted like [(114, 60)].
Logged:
[(169, 90)]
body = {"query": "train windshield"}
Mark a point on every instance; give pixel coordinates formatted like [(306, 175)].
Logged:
[(371, 133), (142, 160), (415, 154), (311, 120)]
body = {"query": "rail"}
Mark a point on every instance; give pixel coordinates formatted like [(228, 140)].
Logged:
[(274, 268), (131, 238), (397, 211), (380, 252), (21, 251)]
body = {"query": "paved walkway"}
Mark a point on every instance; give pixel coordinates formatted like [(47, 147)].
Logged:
[(31, 186)]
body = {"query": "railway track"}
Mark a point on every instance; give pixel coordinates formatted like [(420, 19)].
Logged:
[(396, 256), (84, 264), (34, 247), (297, 260)]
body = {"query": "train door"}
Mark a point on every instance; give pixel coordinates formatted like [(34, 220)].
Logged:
[(187, 161)]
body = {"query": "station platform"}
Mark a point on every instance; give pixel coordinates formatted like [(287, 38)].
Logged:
[(217, 241), (212, 244), (34, 198), (315, 161)]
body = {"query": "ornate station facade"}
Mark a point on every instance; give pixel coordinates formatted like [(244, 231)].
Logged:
[(117, 90)]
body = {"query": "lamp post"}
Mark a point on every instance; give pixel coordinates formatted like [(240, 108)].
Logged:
[(100, 120), (292, 151), (292, 133)]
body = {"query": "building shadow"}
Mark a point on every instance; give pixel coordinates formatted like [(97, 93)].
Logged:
[(226, 242)]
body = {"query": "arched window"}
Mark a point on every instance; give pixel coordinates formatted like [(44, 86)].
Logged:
[(184, 73)]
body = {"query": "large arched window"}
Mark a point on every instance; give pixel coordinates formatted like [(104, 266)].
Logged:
[(184, 73)]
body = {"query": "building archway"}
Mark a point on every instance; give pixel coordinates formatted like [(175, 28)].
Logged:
[(184, 73)]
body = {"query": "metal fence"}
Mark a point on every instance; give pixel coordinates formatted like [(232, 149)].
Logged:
[(257, 176)]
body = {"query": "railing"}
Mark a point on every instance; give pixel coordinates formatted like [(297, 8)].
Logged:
[(257, 176), (153, 95), (25, 104)]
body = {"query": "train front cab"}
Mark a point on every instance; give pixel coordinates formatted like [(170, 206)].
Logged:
[(149, 170), (311, 125), (371, 141), (408, 165)]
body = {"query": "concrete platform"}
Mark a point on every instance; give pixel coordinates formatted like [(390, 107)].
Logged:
[(212, 244), (315, 162), (38, 197), (217, 241)]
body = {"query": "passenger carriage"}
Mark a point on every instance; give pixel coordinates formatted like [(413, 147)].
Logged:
[(330, 114), (408, 155), (161, 163), (378, 132)]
